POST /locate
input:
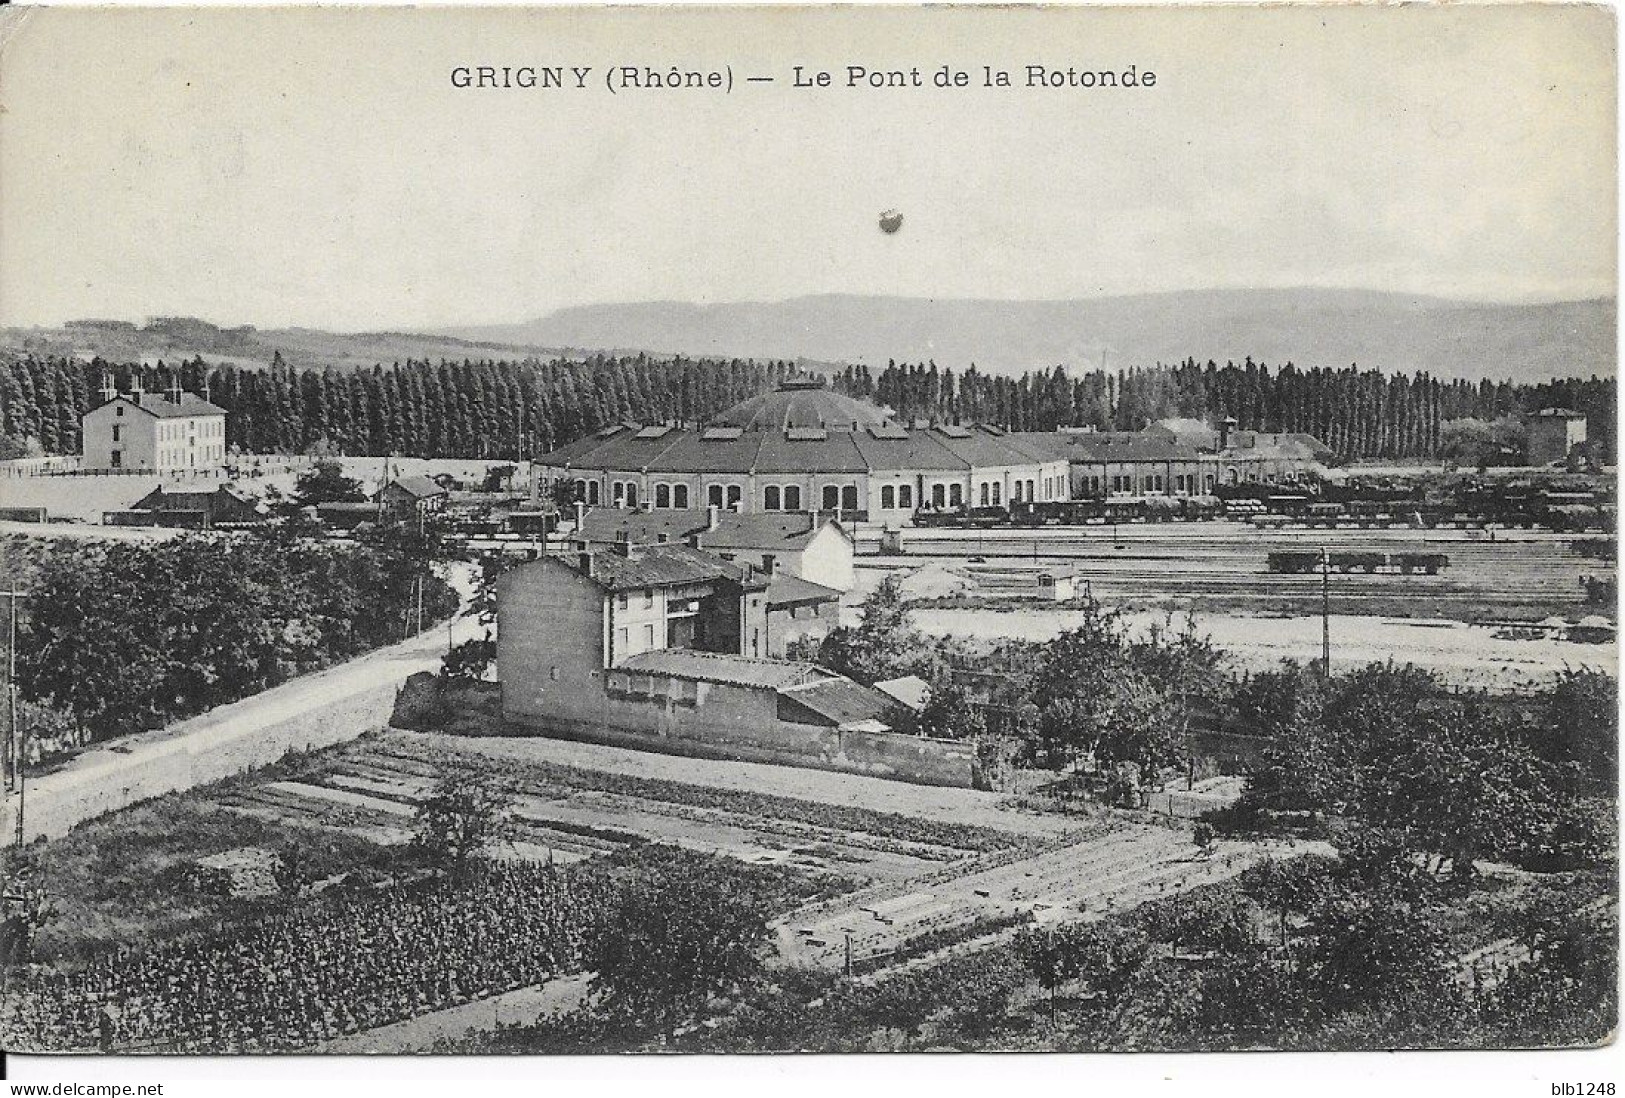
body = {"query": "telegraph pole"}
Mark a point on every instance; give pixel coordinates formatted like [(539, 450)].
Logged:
[(1325, 614), (14, 747)]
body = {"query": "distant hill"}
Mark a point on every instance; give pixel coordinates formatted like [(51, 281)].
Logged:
[(175, 338), (1311, 327)]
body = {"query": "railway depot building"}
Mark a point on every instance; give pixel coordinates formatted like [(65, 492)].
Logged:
[(654, 647), (803, 448)]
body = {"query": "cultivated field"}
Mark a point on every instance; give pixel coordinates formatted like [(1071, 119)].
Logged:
[(904, 867)]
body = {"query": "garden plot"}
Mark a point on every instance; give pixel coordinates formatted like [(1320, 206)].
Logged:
[(1089, 878)]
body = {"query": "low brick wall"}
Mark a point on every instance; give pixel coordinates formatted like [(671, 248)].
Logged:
[(878, 754)]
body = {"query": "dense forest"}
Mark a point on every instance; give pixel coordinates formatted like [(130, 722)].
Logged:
[(519, 409)]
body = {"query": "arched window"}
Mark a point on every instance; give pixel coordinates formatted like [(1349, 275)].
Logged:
[(956, 495), (984, 493), (832, 497), (770, 498), (1015, 492), (662, 495), (679, 496), (792, 497), (937, 499), (592, 492), (905, 496), (617, 494), (849, 498), (631, 493), (996, 500), (581, 490), (1029, 491), (713, 495), (735, 494), (888, 498)]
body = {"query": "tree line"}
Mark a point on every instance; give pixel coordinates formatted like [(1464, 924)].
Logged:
[(416, 408), (518, 409), (1358, 413)]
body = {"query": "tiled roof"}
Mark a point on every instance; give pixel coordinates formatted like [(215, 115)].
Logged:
[(419, 486), (786, 531), (788, 590), (663, 566), (801, 404), (911, 690), (161, 406), (841, 702), (684, 663)]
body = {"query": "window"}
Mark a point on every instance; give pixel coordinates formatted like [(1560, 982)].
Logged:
[(905, 496), (735, 494), (956, 495), (631, 494), (581, 490), (115, 432), (118, 459), (621, 640), (996, 500), (648, 597), (770, 498), (792, 497), (620, 602), (662, 495), (832, 497), (1030, 490), (849, 498), (984, 494), (648, 637), (713, 495), (119, 411), (888, 498), (1015, 492), (592, 493), (938, 499), (679, 497), (553, 673), (618, 494)]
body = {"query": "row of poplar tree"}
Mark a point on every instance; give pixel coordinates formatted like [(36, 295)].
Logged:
[(513, 409)]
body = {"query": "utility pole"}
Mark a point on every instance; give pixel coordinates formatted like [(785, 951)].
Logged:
[(1325, 614), (15, 749)]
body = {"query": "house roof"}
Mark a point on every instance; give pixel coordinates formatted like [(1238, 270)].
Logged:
[(663, 566), (161, 406), (841, 702), (910, 690), (685, 663), (781, 531), (420, 487), (787, 590)]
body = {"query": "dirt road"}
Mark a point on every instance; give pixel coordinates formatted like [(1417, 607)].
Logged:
[(312, 711)]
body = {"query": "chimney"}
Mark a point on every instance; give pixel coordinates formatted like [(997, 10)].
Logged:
[(173, 393), (108, 389), (770, 564), (584, 564), (1226, 425), (712, 517), (581, 515), (623, 542)]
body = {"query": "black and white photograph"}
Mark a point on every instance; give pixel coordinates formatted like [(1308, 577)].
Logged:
[(547, 532)]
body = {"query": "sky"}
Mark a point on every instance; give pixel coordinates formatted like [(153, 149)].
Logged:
[(319, 168)]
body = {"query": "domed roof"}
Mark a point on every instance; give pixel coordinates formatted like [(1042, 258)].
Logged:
[(802, 402)]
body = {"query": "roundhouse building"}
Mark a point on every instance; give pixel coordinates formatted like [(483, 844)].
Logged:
[(805, 448)]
